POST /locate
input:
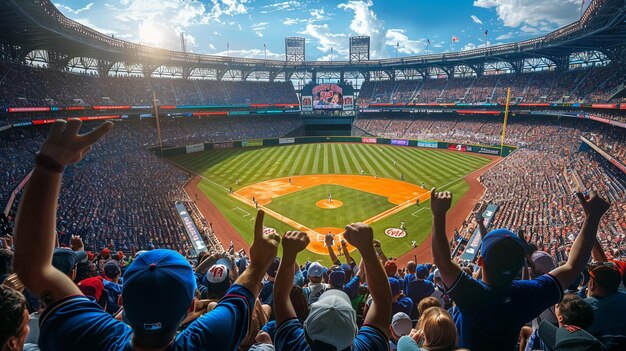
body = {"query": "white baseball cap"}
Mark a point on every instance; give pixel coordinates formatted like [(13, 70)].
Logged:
[(315, 270), (332, 320)]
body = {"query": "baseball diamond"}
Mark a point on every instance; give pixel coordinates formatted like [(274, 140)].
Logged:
[(376, 196)]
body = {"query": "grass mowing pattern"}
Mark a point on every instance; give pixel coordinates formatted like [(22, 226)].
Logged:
[(431, 167), (357, 206)]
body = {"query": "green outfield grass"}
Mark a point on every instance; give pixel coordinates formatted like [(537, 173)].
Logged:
[(357, 206), (430, 167)]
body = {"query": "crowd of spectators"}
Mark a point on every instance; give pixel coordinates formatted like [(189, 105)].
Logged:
[(589, 85), (515, 297), (27, 86)]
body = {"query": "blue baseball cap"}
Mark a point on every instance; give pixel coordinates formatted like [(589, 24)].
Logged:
[(158, 290), (337, 278), (421, 271), (503, 252), (396, 286)]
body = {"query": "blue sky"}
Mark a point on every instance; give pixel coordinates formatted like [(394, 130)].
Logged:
[(396, 27)]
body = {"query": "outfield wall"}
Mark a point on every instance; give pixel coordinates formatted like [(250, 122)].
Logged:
[(430, 144)]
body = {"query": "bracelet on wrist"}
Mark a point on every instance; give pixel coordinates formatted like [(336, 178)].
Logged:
[(48, 163)]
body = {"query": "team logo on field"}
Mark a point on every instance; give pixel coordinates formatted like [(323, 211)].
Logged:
[(268, 231), (395, 233)]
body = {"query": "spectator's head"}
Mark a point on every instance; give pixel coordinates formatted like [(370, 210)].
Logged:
[(315, 272), (427, 303), (331, 322), (13, 319), (218, 279), (112, 270), (410, 267), (348, 270), (503, 254), (421, 272), (105, 254), (437, 278), (158, 291), (542, 263), (337, 278), (396, 286), (573, 310), (391, 268), (574, 315), (93, 287), (6, 259), (401, 325), (437, 329), (604, 280), (66, 260)]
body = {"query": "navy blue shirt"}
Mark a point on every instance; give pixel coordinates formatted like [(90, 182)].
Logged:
[(290, 337), (77, 323), (490, 317), (608, 314)]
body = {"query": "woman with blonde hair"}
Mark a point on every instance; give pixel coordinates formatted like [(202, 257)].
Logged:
[(435, 331)]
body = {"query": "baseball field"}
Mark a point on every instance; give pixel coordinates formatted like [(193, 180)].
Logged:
[(319, 188)]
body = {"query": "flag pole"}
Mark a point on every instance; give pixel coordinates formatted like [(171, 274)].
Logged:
[(158, 124), (506, 116)]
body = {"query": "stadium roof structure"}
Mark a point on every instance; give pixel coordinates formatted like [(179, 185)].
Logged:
[(28, 26)]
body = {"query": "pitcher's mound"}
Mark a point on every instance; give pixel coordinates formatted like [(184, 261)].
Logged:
[(329, 205)]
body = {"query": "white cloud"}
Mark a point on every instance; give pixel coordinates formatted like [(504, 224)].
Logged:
[(327, 40), (281, 6), (533, 15), (64, 8), (290, 21), (318, 15), (398, 39), (366, 22), (476, 19), (506, 36), (251, 53), (258, 28), (211, 46), (471, 46), (225, 8)]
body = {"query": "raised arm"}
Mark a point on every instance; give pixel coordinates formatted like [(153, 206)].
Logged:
[(480, 220), (293, 243), (329, 241), (35, 224), (440, 204), (597, 254), (361, 236), (379, 252), (262, 254), (344, 245), (594, 207)]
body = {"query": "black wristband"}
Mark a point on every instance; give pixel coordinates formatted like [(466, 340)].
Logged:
[(48, 163)]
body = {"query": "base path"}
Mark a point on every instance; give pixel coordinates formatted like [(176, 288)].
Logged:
[(456, 215), (222, 228)]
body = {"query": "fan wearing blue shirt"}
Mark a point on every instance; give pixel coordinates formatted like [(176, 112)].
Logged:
[(331, 324), (159, 285), (491, 312)]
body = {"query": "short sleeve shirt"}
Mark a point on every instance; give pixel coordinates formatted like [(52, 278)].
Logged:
[(490, 317), (290, 337), (77, 323)]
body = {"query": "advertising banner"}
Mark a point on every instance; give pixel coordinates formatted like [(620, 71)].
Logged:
[(190, 228), (29, 109), (369, 140), (399, 142), (457, 147), (487, 151), (428, 144), (252, 142), (348, 103), (286, 140), (307, 103), (194, 148), (226, 145)]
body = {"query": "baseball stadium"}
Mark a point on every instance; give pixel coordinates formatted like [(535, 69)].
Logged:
[(341, 167)]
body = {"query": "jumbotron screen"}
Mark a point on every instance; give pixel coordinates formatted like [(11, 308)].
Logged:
[(327, 97)]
